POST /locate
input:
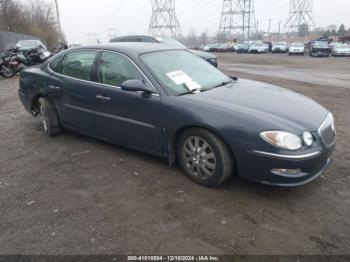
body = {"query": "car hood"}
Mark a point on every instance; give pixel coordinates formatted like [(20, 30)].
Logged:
[(204, 55), (267, 105), (345, 49)]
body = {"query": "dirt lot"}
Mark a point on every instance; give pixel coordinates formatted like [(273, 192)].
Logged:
[(76, 195)]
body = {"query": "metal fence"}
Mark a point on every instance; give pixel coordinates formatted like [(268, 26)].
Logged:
[(9, 39)]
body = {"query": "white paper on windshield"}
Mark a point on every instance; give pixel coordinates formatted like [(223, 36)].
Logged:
[(179, 77), (192, 85)]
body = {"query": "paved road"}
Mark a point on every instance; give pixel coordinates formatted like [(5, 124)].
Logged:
[(76, 195)]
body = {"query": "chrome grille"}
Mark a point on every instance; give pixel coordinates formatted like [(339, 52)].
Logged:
[(327, 131)]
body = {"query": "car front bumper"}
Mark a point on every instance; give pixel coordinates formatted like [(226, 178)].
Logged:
[(279, 50), (341, 54), (257, 166), (297, 51)]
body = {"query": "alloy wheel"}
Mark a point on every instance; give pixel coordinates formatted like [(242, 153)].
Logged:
[(199, 157)]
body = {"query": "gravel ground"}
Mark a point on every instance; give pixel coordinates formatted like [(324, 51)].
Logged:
[(76, 195)]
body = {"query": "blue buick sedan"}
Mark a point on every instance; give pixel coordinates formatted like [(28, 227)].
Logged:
[(170, 103)]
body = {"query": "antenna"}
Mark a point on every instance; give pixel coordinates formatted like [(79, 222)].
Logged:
[(164, 19), (300, 14), (238, 19)]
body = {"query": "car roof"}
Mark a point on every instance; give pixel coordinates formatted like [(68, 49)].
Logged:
[(130, 48), (154, 37)]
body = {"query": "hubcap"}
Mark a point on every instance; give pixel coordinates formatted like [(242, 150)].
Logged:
[(43, 118), (199, 157)]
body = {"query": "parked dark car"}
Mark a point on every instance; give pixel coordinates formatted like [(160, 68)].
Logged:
[(242, 48), (210, 58), (320, 49), (225, 48), (171, 103)]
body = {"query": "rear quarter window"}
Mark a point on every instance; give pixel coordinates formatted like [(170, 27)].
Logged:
[(78, 64)]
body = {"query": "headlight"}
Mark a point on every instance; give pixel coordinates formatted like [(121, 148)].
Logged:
[(283, 140)]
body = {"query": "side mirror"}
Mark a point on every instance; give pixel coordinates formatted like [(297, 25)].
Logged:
[(136, 86)]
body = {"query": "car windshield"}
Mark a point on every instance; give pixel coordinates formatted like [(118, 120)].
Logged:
[(281, 44), (321, 43), (170, 41), (181, 72), (28, 43)]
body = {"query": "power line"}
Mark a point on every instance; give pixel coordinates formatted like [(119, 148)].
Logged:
[(164, 19)]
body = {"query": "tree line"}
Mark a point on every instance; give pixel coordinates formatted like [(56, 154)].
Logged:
[(36, 18)]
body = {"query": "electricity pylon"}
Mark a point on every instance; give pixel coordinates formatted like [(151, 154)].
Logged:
[(300, 14), (238, 20), (164, 19)]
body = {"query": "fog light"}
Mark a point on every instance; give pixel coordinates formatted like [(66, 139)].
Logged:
[(280, 171), (308, 139)]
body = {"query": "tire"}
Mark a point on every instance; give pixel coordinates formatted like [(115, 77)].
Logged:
[(49, 118), (10, 73), (213, 166)]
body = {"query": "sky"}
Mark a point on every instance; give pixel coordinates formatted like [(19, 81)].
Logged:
[(83, 19)]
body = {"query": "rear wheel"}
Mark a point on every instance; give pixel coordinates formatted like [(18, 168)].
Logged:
[(204, 157), (7, 72), (49, 117)]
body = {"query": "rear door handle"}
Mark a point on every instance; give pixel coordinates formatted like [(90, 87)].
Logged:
[(103, 98)]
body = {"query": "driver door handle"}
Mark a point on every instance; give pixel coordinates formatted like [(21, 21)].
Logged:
[(56, 88), (103, 98)]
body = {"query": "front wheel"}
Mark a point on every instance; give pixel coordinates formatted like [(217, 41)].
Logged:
[(204, 157), (7, 72)]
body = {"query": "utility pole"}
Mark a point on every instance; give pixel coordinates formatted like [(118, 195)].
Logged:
[(164, 19), (300, 14), (279, 30), (237, 19), (268, 31), (58, 17)]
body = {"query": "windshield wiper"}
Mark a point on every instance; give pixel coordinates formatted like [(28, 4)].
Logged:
[(223, 84), (193, 91)]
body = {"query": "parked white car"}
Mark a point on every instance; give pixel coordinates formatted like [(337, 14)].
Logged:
[(259, 48), (297, 49), (280, 47), (341, 50)]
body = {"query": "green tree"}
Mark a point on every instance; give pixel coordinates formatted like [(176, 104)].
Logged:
[(35, 18), (341, 30)]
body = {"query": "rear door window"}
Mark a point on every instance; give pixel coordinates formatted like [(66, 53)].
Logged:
[(78, 64)]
